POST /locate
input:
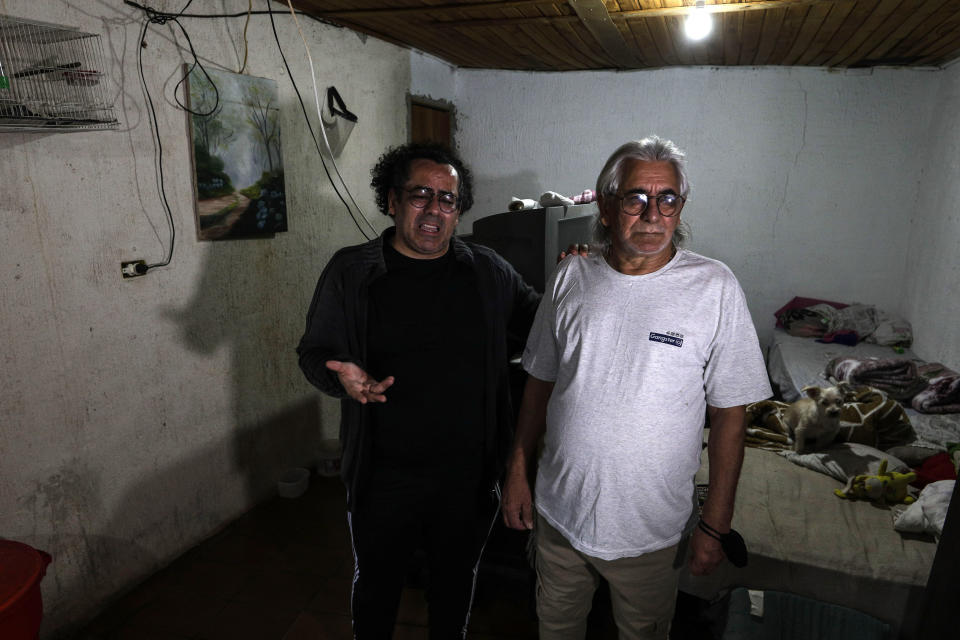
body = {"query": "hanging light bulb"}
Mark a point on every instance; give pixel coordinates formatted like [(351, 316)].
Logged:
[(698, 24)]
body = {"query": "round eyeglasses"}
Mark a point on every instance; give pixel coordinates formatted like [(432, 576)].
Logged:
[(668, 204), (420, 197)]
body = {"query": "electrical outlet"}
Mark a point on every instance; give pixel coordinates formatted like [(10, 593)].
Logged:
[(133, 268)]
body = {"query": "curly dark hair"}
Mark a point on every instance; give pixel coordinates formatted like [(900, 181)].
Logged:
[(393, 170)]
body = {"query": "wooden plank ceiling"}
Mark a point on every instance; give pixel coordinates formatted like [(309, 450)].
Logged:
[(553, 35)]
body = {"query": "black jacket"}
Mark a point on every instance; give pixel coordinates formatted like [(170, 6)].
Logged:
[(337, 330)]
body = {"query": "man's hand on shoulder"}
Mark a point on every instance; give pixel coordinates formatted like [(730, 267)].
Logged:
[(358, 384), (582, 250)]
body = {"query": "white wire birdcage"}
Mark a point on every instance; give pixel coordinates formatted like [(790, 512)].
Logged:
[(51, 77)]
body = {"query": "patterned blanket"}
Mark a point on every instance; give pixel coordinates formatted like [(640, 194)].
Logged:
[(942, 395), (868, 417), (897, 377)]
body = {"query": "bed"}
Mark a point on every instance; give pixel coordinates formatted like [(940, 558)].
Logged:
[(805, 540), (795, 362)]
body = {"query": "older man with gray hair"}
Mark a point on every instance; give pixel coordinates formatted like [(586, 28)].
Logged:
[(632, 347)]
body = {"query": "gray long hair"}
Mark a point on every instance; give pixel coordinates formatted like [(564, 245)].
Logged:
[(652, 149)]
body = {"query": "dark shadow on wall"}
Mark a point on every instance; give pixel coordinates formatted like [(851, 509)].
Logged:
[(247, 302), (112, 564)]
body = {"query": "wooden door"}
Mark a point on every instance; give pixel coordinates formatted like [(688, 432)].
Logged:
[(430, 124)]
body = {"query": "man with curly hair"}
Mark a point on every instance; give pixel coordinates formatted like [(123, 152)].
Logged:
[(413, 331)]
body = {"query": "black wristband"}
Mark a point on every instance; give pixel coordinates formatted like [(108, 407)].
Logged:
[(710, 531), (732, 544)]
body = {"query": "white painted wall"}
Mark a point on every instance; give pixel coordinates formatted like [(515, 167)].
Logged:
[(791, 169), (931, 289), (137, 417), (432, 78)]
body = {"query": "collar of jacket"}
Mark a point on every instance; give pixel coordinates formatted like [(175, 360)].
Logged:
[(461, 250)]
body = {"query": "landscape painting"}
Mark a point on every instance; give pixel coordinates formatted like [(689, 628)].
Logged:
[(238, 168)]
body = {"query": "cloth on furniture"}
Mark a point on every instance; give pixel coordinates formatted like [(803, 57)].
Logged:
[(843, 323), (898, 377), (930, 370), (766, 428), (868, 417), (849, 338), (847, 459), (929, 512), (912, 455), (798, 303), (809, 322), (891, 330), (942, 395), (857, 318), (804, 540), (794, 363), (937, 467)]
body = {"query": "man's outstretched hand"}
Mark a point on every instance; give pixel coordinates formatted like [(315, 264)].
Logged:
[(358, 384)]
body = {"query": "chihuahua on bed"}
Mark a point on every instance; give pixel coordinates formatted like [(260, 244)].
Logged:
[(814, 421)]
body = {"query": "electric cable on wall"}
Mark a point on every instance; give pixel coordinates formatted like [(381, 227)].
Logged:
[(140, 269), (153, 16), (326, 141), (241, 14), (372, 231)]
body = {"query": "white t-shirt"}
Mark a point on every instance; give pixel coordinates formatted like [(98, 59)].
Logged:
[(635, 361)]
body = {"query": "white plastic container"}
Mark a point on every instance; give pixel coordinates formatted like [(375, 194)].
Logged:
[(294, 482)]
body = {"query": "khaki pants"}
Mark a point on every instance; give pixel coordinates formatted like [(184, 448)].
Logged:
[(643, 589)]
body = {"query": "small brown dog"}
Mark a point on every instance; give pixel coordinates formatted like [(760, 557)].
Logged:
[(814, 421)]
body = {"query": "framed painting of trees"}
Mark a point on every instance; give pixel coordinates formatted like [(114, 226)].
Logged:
[(238, 168)]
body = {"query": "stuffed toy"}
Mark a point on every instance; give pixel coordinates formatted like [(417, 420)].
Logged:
[(888, 487), (896, 490)]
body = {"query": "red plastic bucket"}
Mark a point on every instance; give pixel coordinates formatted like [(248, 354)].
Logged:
[(21, 607)]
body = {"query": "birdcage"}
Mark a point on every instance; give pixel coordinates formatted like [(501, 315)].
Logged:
[(51, 78)]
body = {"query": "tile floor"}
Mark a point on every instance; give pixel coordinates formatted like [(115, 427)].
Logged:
[(282, 572)]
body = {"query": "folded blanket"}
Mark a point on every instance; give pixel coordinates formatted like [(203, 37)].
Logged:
[(897, 377), (868, 417), (930, 370), (942, 395)]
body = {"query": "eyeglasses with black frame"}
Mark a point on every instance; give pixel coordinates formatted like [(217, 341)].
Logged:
[(668, 204), (420, 198)]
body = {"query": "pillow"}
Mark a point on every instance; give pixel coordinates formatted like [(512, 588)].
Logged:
[(912, 454), (847, 459), (929, 512)]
